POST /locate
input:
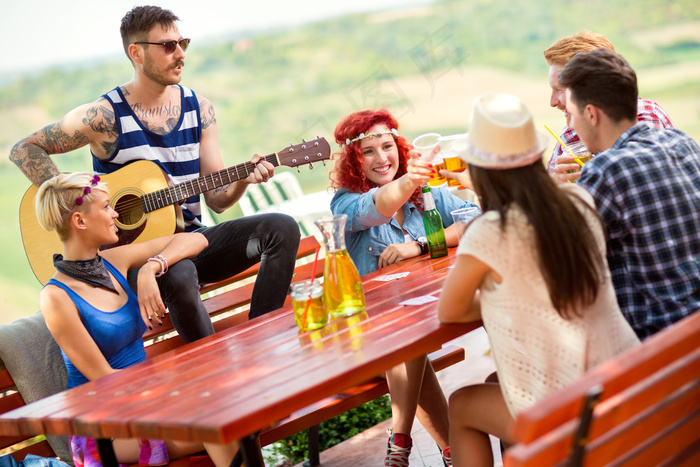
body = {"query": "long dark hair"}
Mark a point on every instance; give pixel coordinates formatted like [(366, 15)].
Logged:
[(570, 260)]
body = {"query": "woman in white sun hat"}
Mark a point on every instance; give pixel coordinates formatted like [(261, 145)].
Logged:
[(533, 268)]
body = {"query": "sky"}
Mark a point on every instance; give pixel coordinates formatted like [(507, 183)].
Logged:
[(40, 33)]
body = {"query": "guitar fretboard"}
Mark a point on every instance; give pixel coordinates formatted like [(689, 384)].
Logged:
[(180, 192)]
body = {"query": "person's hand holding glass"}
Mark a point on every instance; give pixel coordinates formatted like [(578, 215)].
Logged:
[(428, 145), (567, 168), (442, 153), (455, 170)]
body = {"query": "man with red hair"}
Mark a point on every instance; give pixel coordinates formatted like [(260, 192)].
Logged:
[(557, 55)]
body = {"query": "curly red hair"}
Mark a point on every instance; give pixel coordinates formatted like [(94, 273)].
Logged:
[(348, 171)]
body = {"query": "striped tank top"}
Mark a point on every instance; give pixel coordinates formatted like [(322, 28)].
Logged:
[(177, 153)]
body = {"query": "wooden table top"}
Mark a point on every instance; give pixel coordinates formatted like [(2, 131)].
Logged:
[(242, 380)]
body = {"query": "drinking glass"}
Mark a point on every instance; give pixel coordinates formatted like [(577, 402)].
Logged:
[(582, 154), (307, 297), (425, 145), (462, 217), (448, 149)]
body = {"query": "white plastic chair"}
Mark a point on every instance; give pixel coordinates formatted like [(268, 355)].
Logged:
[(262, 197)]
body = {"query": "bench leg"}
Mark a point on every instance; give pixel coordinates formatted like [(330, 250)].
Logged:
[(252, 455), (581, 437), (106, 452), (314, 454)]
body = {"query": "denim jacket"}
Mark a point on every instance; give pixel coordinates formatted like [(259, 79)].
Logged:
[(32, 461), (368, 233)]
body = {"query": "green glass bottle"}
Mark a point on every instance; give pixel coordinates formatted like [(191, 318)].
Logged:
[(432, 221)]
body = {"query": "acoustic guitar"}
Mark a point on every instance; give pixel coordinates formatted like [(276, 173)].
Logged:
[(148, 206)]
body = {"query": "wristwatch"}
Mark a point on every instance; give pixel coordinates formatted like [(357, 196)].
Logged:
[(423, 244)]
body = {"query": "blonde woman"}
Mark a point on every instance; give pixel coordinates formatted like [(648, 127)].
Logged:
[(92, 313)]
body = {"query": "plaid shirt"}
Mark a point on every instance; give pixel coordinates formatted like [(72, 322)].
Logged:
[(647, 111), (647, 190)]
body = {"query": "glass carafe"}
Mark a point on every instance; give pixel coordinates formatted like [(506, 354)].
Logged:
[(342, 288)]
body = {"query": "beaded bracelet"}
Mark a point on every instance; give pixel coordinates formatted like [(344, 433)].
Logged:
[(160, 259)]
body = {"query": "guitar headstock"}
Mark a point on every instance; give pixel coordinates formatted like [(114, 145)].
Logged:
[(306, 152)]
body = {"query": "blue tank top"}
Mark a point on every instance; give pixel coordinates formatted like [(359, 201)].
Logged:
[(177, 153), (118, 334)]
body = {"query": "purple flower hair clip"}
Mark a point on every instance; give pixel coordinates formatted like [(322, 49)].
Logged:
[(86, 191)]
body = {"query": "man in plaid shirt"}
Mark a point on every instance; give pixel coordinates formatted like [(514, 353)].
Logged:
[(557, 55), (646, 186)]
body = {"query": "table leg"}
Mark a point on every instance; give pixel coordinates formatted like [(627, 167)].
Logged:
[(314, 457), (106, 451), (252, 455)]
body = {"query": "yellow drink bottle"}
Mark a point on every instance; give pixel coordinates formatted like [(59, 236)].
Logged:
[(343, 294)]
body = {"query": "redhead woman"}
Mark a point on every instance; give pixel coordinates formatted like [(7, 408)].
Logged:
[(378, 186), (93, 315)]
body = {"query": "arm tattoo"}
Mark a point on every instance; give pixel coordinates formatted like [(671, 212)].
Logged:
[(206, 111), (33, 161), (31, 154), (102, 120), (54, 140)]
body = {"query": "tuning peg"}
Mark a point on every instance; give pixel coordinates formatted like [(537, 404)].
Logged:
[(291, 144), (316, 142), (311, 166), (303, 140), (298, 170)]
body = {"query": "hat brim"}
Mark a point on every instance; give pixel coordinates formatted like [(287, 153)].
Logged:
[(473, 155)]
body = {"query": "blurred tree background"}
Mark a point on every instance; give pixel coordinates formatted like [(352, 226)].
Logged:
[(424, 63)]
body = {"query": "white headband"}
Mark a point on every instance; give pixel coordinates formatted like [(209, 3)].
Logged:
[(385, 131)]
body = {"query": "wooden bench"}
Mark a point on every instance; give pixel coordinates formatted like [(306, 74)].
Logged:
[(647, 412), (227, 303)]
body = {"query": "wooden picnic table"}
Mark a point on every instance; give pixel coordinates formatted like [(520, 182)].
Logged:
[(233, 384)]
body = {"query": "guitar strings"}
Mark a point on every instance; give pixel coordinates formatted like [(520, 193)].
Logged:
[(168, 193)]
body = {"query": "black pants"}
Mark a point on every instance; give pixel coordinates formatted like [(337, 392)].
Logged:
[(269, 239)]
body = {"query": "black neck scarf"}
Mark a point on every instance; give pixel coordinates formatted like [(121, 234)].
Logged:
[(92, 271)]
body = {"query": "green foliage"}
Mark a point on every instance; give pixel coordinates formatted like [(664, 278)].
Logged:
[(277, 87), (336, 430)]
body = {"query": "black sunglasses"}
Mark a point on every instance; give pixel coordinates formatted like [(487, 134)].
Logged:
[(169, 46)]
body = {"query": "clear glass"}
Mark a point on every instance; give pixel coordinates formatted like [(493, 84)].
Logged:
[(449, 149), (307, 302), (343, 293), (581, 152), (425, 145), (462, 217)]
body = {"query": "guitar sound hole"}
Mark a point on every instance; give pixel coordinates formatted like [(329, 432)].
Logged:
[(130, 210)]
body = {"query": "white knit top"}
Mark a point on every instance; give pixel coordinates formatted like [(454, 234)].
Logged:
[(536, 351)]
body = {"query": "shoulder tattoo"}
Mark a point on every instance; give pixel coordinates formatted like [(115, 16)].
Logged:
[(101, 119), (207, 114)]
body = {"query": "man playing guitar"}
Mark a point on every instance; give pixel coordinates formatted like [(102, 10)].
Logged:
[(154, 118)]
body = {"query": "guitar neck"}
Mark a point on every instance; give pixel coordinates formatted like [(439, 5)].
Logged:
[(180, 192)]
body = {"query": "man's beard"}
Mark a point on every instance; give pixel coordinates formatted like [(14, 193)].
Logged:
[(158, 76)]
